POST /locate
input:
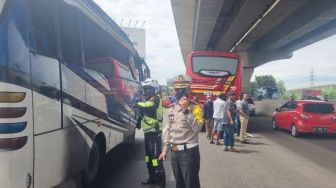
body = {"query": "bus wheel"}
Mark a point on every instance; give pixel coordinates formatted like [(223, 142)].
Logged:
[(91, 170)]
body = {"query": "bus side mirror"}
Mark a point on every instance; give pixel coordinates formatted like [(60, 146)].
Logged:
[(277, 110)]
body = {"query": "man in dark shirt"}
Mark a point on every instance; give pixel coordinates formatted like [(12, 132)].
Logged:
[(228, 123), (208, 116)]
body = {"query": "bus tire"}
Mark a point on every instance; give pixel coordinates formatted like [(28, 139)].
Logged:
[(91, 169)]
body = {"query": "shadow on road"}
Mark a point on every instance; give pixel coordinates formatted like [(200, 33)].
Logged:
[(246, 151), (307, 145)]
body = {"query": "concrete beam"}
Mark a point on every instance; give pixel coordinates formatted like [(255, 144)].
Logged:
[(257, 58), (278, 14), (312, 15), (247, 74), (247, 15), (184, 15), (247, 71), (207, 12), (321, 33)]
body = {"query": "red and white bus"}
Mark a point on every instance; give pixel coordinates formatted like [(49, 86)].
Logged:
[(65, 73), (213, 73)]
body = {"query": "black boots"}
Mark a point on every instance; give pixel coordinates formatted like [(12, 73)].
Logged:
[(158, 184)]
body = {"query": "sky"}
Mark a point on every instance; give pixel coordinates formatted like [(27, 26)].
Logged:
[(163, 52), (165, 60)]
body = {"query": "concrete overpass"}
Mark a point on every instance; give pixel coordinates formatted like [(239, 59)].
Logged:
[(260, 30)]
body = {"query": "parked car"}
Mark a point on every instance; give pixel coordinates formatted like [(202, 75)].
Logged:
[(305, 116), (167, 101), (252, 106)]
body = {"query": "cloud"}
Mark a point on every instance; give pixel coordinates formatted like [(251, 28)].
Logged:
[(164, 55), (163, 52)]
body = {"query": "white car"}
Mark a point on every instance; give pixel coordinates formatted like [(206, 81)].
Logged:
[(252, 106)]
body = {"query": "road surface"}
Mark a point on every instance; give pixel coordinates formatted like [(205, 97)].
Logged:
[(272, 159)]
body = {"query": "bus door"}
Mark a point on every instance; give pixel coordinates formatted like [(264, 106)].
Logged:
[(46, 86)]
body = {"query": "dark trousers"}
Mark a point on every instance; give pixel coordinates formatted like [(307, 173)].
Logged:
[(186, 166), (228, 135), (153, 151)]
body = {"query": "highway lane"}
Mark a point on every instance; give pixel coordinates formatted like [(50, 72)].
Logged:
[(273, 159)]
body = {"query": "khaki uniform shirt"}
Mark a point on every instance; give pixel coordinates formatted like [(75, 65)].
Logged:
[(181, 128)]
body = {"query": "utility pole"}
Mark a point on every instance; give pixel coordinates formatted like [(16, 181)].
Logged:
[(312, 77)]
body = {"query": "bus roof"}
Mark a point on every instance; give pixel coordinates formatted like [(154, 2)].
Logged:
[(94, 12), (215, 53)]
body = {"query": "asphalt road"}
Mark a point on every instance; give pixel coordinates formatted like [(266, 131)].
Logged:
[(272, 159)]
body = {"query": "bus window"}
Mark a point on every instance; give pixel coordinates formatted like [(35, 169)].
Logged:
[(44, 61), (134, 71), (69, 35), (14, 53), (146, 72), (103, 66), (43, 27), (214, 66)]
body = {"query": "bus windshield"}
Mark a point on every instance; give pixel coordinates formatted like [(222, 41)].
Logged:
[(214, 65)]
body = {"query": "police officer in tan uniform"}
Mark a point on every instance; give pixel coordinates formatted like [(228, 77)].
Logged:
[(180, 136)]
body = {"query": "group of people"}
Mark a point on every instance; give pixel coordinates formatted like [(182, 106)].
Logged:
[(180, 134), (225, 117)]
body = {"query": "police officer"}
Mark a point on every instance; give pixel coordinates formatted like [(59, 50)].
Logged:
[(181, 136), (151, 122)]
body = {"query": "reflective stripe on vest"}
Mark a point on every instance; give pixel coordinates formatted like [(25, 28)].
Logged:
[(148, 124)]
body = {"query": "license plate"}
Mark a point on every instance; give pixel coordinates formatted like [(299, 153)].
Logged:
[(321, 129)]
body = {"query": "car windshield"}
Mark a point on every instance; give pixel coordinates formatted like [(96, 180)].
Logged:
[(318, 108), (214, 66)]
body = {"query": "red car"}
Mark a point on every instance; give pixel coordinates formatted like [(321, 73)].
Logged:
[(167, 101), (303, 116)]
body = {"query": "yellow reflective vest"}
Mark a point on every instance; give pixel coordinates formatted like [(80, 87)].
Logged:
[(152, 114)]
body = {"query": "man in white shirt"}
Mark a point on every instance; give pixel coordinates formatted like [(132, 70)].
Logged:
[(237, 120), (218, 106)]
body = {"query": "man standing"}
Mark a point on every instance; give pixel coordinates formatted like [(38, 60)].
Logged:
[(151, 123), (228, 123), (244, 112), (218, 106), (181, 137), (208, 116)]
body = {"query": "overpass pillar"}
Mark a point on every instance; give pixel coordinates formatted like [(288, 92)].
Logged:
[(248, 70)]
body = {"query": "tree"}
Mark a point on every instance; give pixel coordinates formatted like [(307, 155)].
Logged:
[(330, 92), (291, 95), (265, 81), (253, 88), (281, 87)]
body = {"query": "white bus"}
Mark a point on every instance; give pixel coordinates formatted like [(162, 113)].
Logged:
[(69, 77)]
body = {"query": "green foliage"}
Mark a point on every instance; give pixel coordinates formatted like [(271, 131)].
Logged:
[(330, 92), (265, 81), (253, 87), (281, 87), (291, 95)]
